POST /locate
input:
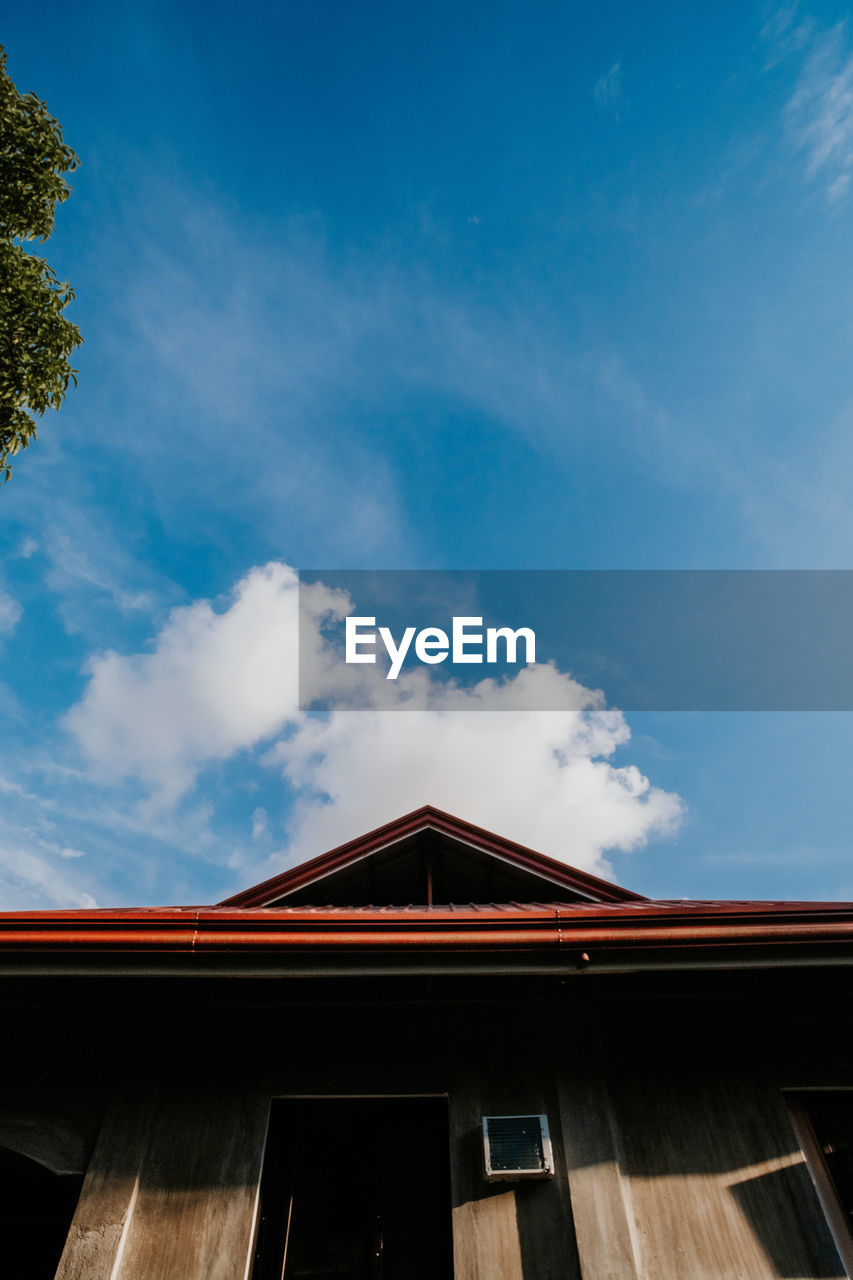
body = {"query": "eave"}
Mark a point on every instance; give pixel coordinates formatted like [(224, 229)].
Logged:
[(502, 938)]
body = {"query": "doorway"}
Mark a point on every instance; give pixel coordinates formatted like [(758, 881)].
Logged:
[(36, 1208), (356, 1189)]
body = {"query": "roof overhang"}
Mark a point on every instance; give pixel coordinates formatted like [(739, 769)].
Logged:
[(541, 939)]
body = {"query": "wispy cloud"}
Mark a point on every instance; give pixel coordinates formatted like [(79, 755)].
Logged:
[(607, 90), (10, 613), (819, 114), (281, 396), (786, 31), (31, 879), (31, 874), (68, 840), (77, 570)]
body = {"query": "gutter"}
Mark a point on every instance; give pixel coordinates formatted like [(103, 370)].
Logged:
[(500, 939)]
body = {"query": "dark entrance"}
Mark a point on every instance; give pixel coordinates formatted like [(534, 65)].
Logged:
[(356, 1189), (36, 1208)]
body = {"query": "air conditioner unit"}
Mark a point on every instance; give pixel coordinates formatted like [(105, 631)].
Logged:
[(517, 1147)]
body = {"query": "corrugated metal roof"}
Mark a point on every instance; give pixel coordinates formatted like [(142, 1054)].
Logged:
[(674, 907), (585, 929)]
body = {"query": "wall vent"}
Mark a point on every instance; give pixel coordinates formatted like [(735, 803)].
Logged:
[(517, 1147)]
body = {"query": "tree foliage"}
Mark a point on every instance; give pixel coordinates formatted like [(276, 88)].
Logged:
[(36, 339)]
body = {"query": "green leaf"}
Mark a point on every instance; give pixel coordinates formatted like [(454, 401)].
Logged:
[(36, 339)]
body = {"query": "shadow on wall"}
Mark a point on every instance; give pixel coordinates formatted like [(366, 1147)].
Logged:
[(514, 1229), (710, 1167), (770, 1202)]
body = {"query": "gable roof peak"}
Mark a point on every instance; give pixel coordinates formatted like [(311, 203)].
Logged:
[(431, 856)]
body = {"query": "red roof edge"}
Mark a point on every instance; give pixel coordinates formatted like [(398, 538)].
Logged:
[(517, 854), (737, 932)]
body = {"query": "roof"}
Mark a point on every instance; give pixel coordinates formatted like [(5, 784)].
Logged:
[(521, 935), (585, 925), (432, 835)]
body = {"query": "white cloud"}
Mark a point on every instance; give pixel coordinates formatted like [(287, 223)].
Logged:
[(216, 683), (10, 613), (541, 778)]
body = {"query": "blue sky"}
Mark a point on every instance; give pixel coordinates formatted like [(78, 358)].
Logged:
[(488, 286)]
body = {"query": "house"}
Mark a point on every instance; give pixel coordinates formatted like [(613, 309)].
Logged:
[(429, 1053)]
